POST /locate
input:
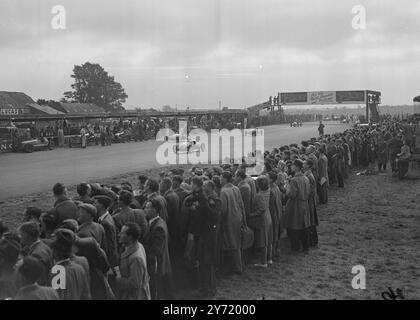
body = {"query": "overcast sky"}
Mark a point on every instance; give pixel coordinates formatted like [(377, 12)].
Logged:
[(195, 52)]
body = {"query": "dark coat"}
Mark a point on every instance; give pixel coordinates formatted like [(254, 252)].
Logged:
[(77, 283), (253, 186), (111, 246), (383, 152), (164, 211), (84, 199), (173, 208), (8, 284), (204, 227), (181, 195), (232, 217), (98, 265), (94, 230), (65, 209), (42, 252), (313, 216), (36, 292), (297, 207), (138, 216), (276, 211), (156, 245), (245, 190), (323, 167)]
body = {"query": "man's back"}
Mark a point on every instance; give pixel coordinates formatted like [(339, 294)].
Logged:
[(36, 292), (156, 245), (172, 201), (65, 209), (94, 230), (128, 215), (76, 284)]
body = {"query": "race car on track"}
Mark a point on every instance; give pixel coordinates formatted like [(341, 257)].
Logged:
[(34, 145), (295, 124), (185, 144)]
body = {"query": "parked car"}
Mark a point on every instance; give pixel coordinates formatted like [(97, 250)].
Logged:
[(91, 139), (122, 136), (34, 145)]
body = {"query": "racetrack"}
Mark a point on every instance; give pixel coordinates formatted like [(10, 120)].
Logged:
[(23, 173)]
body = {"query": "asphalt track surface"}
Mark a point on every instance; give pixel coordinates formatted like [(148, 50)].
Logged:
[(24, 173)]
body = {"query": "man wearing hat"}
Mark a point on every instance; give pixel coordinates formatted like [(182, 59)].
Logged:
[(30, 272), (96, 257), (89, 228), (125, 214), (102, 204), (158, 260), (9, 254), (65, 208), (133, 283), (33, 246), (32, 214), (77, 283), (297, 219), (48, 225), (152, 191)]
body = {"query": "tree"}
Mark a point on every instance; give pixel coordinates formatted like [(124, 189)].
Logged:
[(94, 85)]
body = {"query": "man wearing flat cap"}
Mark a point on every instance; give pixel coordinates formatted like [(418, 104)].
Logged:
[(77, 283), (89, 228)]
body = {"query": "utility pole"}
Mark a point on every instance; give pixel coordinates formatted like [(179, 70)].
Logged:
[(220, 104)]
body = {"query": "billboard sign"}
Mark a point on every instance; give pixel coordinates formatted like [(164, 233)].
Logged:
[(323, 97), (7, 112)]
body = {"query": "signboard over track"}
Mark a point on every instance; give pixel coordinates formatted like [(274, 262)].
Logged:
[(323, 97)]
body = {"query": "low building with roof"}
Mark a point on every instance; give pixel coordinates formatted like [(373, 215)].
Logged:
[(14, 103), (78, 108)]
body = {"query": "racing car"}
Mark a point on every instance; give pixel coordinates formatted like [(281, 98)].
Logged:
[(185, 144), (32, 145)]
